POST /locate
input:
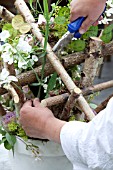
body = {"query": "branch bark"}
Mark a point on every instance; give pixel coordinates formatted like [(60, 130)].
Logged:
[(107, 49), (5, 14), (92, 63), (51, 101), (70, 104), (103, 104), (2, 111)]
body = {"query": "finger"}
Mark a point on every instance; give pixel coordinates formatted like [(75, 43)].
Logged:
[(100, 18), (36, 102), (27, 103), (95, 23), (73, 17), (85, 25)]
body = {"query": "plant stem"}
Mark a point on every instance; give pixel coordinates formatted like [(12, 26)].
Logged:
[(46, 14)]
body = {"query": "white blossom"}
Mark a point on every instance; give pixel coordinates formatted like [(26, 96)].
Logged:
[(31, 62), (7, 57), (109, 3), (109, 12), (24, 46), (8, 47), (8, 53), (45, 87), (41, 19), (35, 58), (4, 74), (105, 20), (21, 63), (4, 35), (6, 78)]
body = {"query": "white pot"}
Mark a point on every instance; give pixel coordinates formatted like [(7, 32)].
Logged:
[(50, 157)]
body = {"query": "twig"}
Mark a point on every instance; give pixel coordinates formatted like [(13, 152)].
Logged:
[(12, 91), (103, 104), (51, 101), (70, 104), (5, 14), (22, 7), (98, 87), (2, 110)]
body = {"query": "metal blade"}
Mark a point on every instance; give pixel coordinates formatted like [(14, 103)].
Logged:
[(65, 39)]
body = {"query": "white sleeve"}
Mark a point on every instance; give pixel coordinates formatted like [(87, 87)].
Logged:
[(90, 145)]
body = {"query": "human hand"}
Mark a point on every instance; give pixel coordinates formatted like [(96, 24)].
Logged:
[(39, 122), (91, 9)]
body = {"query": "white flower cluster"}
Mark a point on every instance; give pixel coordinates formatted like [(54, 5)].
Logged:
[(6, 78), (19, 53), (108, 12)]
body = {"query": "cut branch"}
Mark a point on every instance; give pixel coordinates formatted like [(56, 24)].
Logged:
[(5, 14), (103, 104), (51, 101), (12, 91), (16, 85), (70, 104), (22, 7)]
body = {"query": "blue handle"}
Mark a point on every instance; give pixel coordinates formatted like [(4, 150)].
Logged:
[(74, 26)]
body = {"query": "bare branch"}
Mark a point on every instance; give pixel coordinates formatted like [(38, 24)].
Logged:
[(70, 104), (103, 104), (5, 14)]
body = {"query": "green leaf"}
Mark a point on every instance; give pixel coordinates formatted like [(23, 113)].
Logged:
[(107, 34), (3, 139), (11, 139), (11, 30), (77, 45), (64, 11), (7, 145), (31, 4), (60, 20), (93, 106), (51, 83), (92, 32), (3, 132)]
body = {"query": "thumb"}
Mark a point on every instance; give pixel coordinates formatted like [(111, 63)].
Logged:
[(85, 25), (27, 103), (36, 102)]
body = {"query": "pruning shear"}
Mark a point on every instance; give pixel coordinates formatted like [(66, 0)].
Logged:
[(73, 31)]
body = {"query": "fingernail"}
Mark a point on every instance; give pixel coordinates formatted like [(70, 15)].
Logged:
[(81, 31)]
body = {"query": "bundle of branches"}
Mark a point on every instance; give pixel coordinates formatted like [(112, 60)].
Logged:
[(70, 96)]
